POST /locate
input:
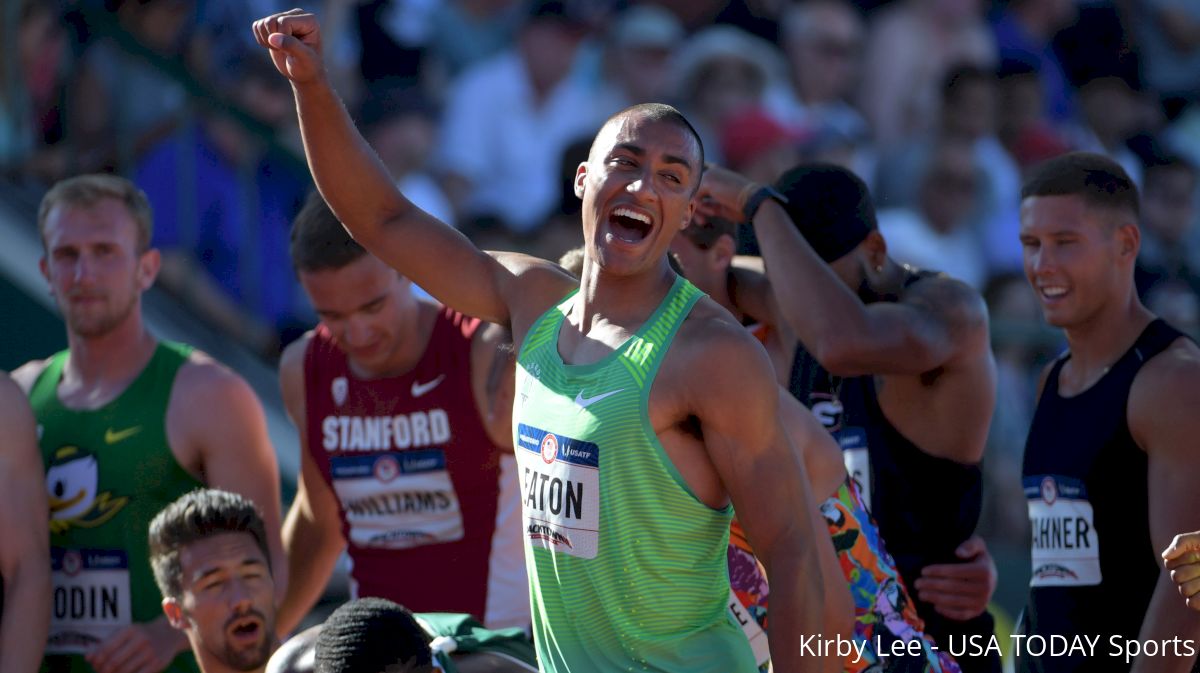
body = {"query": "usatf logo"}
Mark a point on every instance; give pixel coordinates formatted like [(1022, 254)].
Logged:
[(73, 489), (72, 562), (549, 448), (386, 469), (1049, 490), (339, 388), (828, 409)]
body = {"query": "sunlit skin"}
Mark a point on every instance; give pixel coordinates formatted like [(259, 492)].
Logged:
[(95, 271), (650, 167), (1076, 258), (226, 603), (371, 313)]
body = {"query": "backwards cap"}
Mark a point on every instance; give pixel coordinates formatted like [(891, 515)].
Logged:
[(831, 207)]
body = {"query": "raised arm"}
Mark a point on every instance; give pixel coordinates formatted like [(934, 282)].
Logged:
[(767, 482), (1163, 421), (25, 553), (364, 197), (933, 325)]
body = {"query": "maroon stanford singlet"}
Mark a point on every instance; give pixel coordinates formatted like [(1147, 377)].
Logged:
[(417, 480)]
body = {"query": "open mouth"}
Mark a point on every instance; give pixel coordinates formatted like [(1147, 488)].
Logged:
[(629, 226), (247, 629)]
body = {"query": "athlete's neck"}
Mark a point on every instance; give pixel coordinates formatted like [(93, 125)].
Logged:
[(624, 301), (1096, 344), (111, 359)]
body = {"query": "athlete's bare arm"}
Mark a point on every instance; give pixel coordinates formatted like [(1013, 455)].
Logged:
[(826, 472), (493, 369), (25, 553), (756, 465), (312, 533), (1163, 421), (508, 289), (216, 420)]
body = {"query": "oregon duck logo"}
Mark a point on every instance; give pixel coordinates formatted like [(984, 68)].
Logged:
[(72, 482)]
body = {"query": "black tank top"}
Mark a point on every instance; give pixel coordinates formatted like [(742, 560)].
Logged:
[(925, 506), (1094, 566)]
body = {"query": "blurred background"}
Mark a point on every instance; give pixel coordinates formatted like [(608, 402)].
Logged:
[(482, 109)]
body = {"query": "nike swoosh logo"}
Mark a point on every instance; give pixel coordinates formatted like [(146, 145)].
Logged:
[(112, 437), (585, 402), (419, 389)]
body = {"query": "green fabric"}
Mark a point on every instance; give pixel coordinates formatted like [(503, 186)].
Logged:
[(641, 584), (109, 471), (471, 636)]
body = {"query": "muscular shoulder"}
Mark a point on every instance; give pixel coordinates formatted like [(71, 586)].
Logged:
[(27, 374), (719, 354), (1164, 396), (205, 383), (958, 305), (291, 362)]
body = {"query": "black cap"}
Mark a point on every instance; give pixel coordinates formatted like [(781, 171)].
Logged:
[(831, 206)]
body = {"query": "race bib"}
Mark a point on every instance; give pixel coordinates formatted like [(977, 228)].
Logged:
[(1066, 546), (91, 598), (858, 460), (560, 492), (397, 500)]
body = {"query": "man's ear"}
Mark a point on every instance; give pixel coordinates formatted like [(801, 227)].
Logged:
[(174, 612), (580, 174), (44, 266), (148, 265), (876, 248), (1129, 238), (723, 251)]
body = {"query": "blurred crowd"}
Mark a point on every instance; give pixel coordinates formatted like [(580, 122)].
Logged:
[(482, 109)]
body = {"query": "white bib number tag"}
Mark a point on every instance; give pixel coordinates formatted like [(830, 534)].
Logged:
[(560, 492), (1066, 546), (91, 598), (398, 500)]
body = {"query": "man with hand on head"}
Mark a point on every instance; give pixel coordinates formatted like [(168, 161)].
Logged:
[(631, 459), (404, 413), (126, 427), (884, 612), (25, 591), (896, 363)]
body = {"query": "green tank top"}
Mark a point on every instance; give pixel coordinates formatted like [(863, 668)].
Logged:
[(627, 568), (109, 471)]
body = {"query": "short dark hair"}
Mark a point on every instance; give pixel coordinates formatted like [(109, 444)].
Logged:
[(369, 635), (319, 241), (659, 112), (195, 516), (1098, 180)]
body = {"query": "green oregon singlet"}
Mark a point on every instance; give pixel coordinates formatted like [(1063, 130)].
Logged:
[(108, 472), (627, 568)]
